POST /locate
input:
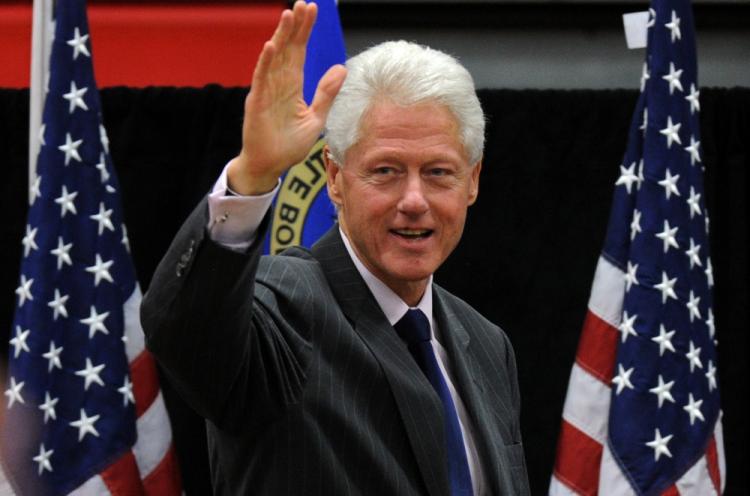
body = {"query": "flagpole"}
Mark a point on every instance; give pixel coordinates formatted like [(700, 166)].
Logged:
[(43, 29)]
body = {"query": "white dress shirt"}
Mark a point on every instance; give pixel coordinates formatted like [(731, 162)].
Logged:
[(234, 221)]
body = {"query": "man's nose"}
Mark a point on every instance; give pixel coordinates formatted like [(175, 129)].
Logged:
[(413, 200)]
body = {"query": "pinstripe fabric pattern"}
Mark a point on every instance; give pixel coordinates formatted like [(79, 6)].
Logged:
[(306, 387)]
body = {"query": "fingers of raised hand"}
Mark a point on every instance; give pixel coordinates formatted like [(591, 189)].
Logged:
[(328, 88)]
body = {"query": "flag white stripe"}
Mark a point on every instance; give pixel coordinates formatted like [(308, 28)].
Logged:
[(154, 437), (696, 481), (43, 32), (95, 486), (557, 488), (719, 436), (587, 404), (607, 292), (612, 481), (134, 343)]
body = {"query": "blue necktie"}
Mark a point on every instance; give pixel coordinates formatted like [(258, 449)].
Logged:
[(414, 329)]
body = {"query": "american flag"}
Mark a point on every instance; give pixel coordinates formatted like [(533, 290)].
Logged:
[(642, 413), (84, 411)]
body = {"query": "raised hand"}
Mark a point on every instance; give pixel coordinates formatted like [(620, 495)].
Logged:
[(279, 127)]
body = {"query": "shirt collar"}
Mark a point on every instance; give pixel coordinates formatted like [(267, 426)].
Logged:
[(390, 303)]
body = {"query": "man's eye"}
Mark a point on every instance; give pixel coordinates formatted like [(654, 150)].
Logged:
[(438, 172), (384, 171)]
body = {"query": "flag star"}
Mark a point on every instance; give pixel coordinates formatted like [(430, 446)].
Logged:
[(671, 132), (102, 166), (28, 241), (710, 323), (103, 218), (100, 270), (711, 376), (644, 124), (670, 184), (694, 356), (664, 340), (43, 459), (635, 224), (78, 43), (692, 253), (62, 252), (42, 130), (693, 98), (662, 391), (674, 27), (75, 97), (709, 273), (659, 445), (65, 200), (693, 151), (109, 189), (692, 306), (35, 189), (694, 202), (673, 78), (103, 138), (666, 286), (127, 392), (668, 236), (644, 76), (125, 240), (651, 18), (694, 409), (48, 407), (70, 148), (630, 277), (626, 326), (53, 355), (24, 291), (95, 321), (14, 392), (58, 305), (90, 374), (706, 221), (85, 425), (622, 379), (627, 177), (19, 342)]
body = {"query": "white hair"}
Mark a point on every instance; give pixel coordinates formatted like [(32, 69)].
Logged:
[(406, 74)]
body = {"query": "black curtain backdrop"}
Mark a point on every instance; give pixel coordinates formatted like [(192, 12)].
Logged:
[(528, 254)]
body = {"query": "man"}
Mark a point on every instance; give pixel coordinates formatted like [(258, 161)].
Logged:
[(343, 370)]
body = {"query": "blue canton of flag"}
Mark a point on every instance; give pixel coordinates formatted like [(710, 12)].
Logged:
[(303, 211), (71, 404), (665, 400)]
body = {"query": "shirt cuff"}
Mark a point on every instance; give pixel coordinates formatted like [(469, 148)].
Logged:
[(234, 219)]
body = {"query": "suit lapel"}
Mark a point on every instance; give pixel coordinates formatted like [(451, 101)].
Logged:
[(469, 377), (418, 404)]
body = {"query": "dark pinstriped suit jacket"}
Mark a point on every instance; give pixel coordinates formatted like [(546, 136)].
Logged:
[(307, 388)]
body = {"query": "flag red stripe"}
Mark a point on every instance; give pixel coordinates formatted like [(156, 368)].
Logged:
[(122, 477), (712, 460), (165, 478), (145, 381), (671, 491), (578, 460), (597, 348)]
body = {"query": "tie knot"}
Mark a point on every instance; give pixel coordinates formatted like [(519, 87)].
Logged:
[(413, 327)]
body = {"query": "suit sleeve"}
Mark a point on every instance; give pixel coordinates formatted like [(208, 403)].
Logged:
[(234, 360)]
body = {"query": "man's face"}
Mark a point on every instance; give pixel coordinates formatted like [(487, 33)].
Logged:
[(403, 193)]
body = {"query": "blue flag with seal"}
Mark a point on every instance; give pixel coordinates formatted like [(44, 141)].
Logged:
[(303, 211)]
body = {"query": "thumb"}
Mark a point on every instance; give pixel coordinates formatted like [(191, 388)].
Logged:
[(328, 88)]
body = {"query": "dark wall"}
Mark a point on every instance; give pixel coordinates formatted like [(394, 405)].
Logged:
[(531, 242)]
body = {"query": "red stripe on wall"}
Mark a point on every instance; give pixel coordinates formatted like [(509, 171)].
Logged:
[(597, 348), (145, 381), (164, 45), (122, 477), (165, 478), (578, 460)]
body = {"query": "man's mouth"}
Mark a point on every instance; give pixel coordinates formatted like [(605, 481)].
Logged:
[(412, 233)]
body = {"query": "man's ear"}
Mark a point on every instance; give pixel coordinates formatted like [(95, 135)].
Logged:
[(332, 172), (474, 182)]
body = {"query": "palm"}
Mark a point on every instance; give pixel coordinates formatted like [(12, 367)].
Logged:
[(279, 127)]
